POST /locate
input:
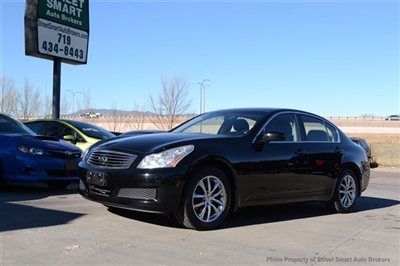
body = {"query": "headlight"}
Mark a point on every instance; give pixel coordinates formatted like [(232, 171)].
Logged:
[(31, 150), (166, 159), (85, 154)]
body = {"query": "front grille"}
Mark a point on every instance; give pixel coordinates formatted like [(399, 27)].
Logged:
[(137, 193), (110, 159)]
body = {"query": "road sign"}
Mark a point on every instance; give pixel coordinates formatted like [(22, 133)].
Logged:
[(57, 29)]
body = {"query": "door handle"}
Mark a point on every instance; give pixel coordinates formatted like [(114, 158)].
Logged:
[(299, 152)]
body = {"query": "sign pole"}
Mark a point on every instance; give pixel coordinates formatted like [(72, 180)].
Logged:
[(56, 88), (58, 31)]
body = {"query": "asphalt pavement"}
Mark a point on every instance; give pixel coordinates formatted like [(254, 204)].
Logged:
[(43, 227)]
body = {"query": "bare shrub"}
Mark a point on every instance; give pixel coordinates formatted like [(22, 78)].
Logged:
[(9, 96), (29, 102), (171, 103)]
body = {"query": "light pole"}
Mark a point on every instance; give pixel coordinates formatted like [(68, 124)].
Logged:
[(73, 99), (203, 95)]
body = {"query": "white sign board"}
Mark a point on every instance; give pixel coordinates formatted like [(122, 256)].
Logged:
[(62, 41)]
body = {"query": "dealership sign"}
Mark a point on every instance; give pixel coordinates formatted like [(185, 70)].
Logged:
[(57, 29)]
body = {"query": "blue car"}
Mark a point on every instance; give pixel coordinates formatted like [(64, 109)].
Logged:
[(26, 157)]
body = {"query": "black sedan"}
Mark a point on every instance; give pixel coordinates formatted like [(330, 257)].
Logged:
[(220, 161)]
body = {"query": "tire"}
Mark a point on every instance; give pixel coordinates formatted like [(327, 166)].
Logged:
[(58, 185), (212, 208), (344, 197)]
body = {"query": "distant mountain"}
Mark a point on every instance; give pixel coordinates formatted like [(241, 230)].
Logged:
[(109, 112)]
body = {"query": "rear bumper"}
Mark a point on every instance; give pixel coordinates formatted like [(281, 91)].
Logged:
[(165, 186), (365, 177)]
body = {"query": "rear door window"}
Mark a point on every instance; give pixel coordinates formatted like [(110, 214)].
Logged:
[(317, 130)]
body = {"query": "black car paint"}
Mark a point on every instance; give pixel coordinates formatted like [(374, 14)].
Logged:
[(276, 172)]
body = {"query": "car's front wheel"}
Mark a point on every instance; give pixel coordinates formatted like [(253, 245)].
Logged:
[(346, 192), (206, 200)]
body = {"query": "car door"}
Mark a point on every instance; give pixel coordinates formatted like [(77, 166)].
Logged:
[(324, 155), (281, 168)]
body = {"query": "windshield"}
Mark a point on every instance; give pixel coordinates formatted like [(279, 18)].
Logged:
[(92, 131), (11, 126), (225, 123)]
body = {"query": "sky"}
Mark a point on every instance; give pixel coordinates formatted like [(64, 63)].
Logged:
[(333, 58)]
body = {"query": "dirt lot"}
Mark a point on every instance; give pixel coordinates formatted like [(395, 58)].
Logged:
[(385, 147)]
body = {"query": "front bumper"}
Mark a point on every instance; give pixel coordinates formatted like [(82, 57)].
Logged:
[(25, 168), (163, 188)]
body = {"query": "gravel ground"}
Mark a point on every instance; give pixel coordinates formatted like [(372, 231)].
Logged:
[(40, 227)]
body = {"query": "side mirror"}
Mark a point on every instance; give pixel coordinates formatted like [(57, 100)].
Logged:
[(272, 136), (70, 138)]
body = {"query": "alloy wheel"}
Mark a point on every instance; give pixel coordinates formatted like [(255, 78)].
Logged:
[(347, 191), (209, 199)]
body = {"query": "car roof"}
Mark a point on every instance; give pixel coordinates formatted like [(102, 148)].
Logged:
[(44, 120), (4, 115), (52, 120), (263, 110)]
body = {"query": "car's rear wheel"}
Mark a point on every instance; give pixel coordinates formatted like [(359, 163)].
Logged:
[(346, 192), (206, 201), (58, 184)]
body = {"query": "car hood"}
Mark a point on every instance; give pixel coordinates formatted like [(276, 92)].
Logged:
[(150, 143), (42, 142)]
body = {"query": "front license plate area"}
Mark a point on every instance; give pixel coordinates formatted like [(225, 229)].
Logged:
[(96, 178), (71, 165)]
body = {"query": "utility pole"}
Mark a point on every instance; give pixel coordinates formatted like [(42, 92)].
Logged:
[(73, 99), (56, 88), (203, 95), (2, 94)]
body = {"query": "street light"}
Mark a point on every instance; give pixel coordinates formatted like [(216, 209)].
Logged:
[(203, 95), (73, 99)]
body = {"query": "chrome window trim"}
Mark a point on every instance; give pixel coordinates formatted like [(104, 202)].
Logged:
[(296, 113)]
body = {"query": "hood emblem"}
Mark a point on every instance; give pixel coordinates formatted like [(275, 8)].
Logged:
[(103, 159)]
